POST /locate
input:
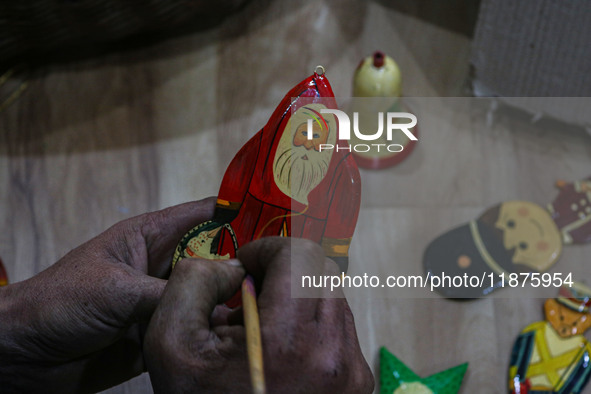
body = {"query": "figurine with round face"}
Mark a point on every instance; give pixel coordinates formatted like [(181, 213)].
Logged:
[(300, 163), (569, 313), (377, 75), (283, 183), (514, 236), (553, 356), (571, 210), (377, 87), (565, 321), (528, 230)]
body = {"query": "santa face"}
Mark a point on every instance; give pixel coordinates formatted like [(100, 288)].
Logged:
[(529, 230), (299, 164)]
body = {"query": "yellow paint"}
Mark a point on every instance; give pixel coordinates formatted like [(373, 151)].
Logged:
[(413, 388), (530, 231), (254, 345), (535, 356), (340, 249), (371, 81), (552, 355), (541, 381), (336, 247), (223, 202)]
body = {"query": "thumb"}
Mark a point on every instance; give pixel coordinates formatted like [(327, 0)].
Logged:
[(194, 289), (148, 291)]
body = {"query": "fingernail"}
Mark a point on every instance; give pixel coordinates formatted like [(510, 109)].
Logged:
[(233, 262)]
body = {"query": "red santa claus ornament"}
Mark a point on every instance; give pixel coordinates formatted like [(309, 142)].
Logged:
[(283, 183)]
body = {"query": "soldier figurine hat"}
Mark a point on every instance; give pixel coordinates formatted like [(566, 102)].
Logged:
[(577, 297)]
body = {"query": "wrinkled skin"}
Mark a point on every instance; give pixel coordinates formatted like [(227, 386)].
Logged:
[(75, 326), (309, 344)]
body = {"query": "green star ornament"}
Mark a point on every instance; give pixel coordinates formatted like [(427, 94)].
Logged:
[(397, 378)]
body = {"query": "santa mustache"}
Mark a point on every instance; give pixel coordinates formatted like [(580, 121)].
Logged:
[(302, 169)]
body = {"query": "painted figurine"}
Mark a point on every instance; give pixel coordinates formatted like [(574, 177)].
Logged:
[(397, 378), (282, 184), (377, 87), (377, 75), (571, 210), (514, 236), (553, 356)]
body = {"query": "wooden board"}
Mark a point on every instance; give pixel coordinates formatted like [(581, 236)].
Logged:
[(92, 143)]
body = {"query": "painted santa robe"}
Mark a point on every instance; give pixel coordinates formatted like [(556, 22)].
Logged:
[(260, 196)]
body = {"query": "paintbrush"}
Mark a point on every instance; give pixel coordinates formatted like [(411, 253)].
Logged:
[(254, 345)]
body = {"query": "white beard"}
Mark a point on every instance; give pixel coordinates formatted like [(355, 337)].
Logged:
[(297, 177)]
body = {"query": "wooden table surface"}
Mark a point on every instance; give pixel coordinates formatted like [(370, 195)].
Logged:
[(94, 142)]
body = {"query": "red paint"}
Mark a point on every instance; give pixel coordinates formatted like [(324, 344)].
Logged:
[(378, 59), (523, 211), (542, 245), (264, 210)]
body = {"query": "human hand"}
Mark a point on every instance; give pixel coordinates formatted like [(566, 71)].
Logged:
[(74, 327), (309, 344)]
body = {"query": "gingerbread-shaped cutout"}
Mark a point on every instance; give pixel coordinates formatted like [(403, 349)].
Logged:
[(514, 236)]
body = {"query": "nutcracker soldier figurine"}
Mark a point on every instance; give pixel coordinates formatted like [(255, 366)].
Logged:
[(553, 356)]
